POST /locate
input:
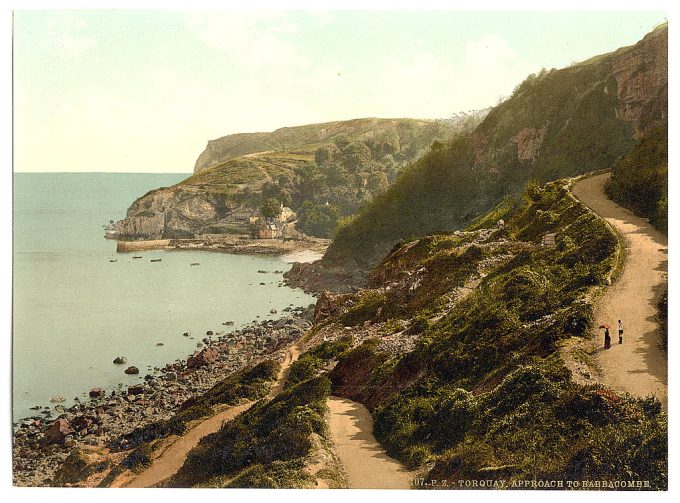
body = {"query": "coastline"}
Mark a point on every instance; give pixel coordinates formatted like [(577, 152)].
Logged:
[(101, 424), (293, 250)]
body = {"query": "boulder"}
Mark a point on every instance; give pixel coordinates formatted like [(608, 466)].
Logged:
[(132, 370), (202, 358), (57, 432), (97, 392), (58, 398), (82, 422), (119, 360), (135, 389)]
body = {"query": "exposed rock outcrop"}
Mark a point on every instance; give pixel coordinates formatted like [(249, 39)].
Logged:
[(641, 74)]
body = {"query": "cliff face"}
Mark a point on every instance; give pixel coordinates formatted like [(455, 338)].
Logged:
[(556, 124), (173, 212), (232, 171), (641, 75)]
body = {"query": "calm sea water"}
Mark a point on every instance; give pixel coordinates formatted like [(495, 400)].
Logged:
[(74, 310)]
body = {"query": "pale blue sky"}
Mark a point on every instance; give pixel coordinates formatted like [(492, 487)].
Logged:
[(145, 90)]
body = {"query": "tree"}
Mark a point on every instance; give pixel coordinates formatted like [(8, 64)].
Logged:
[(326, 154), (356, 156), (377, 182), (318, 219), (337, 176), (270, 208)]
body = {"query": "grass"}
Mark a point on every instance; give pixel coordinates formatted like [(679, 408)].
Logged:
[(459, 183), (485, 390), (274, 435), (310, 363)]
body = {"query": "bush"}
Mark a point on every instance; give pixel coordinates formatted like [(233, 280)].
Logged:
[(309, 363), (278, 430)]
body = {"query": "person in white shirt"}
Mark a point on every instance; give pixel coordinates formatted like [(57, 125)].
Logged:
[(620, 332)]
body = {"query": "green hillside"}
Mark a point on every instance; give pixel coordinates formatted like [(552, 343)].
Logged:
[(456, 349), (557, 123), (324, 172), (485, 391)]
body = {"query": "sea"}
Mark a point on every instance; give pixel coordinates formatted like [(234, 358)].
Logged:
[(77, 303)]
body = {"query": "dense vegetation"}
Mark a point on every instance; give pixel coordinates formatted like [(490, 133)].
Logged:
[(640, 178), (322, 181), (557, 123), (309, 363), (485, 394), (263, 447)]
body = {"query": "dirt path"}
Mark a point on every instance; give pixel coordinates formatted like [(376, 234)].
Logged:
[(637, 366), (173, 457), (367, 464)]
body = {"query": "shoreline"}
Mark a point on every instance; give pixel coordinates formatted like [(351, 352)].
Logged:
[(102, 422), (292, 250)]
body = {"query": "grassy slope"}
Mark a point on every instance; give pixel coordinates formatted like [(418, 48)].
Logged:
[(399, 132), (485, 393), (267, 445), (570, 113), (248, 384)]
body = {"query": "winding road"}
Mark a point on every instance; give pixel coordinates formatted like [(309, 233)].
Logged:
[(351, 428), (365, 461), (638, 366)]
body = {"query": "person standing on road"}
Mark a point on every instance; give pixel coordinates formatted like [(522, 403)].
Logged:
[(607, 339), (620, 332)]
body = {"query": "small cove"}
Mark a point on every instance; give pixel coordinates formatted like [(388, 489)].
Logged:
[(75, 310)]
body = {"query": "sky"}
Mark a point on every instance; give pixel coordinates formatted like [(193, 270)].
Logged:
[(143, 91)]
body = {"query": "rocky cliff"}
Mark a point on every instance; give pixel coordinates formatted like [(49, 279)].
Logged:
[(557, 123), (232, 172)]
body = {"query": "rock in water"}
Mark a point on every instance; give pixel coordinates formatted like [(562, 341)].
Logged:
[(58, 398), (97, 392), (119, 360), (132, 370)]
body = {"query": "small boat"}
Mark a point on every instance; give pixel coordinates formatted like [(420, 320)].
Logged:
[(113, 260), (136, 256), (195, 263), (155, 260)]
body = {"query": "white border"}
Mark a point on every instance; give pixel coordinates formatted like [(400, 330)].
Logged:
[(31, 494)]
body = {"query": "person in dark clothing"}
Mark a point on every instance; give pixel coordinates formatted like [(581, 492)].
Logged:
[(607, 339), (620, 332)]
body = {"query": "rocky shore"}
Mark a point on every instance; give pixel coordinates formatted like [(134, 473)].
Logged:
[(41, 443), (315, 278), (232, 243)]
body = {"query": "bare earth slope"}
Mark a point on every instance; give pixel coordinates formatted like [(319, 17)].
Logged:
[(365, 461), (637, 366)]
